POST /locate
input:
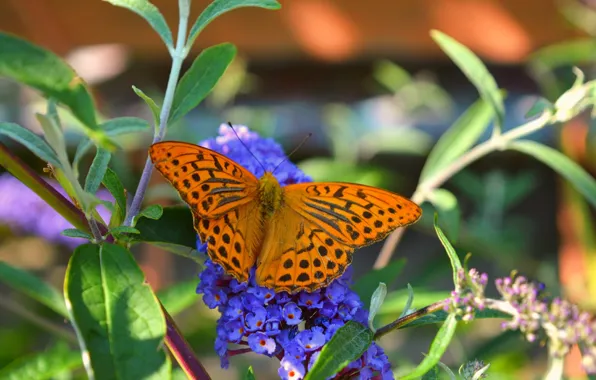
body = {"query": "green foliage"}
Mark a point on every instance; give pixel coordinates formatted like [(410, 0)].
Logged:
[(32, 141), (45, 365), (347, 344), (105, 289), (366, 285)]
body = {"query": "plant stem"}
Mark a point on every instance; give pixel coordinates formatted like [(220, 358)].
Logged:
[(496, 142), (403, 321), (177, 59)]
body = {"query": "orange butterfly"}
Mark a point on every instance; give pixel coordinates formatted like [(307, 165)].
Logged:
[(301, 236)]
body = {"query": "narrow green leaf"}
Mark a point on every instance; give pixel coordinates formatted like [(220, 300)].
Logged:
[(453, 258), (200, 78), (179, 296), (98, 169), (458, 139), (44, 365), (395, 300), (75, 233), (366, 285), (441, 316), (123, 125), (115, 187), (376, 301), (152, 212), (568, 53), (250, 374), (48, 73), (53, 134), (105, 290), (174, 231), (30, 140), (124, 230), (448, 209), (437, 349), (219, 7), (151, 14), (32, 286), (538, 107), (568, 169), (347, 344), (475, 70), (155, 110), (409, 302)]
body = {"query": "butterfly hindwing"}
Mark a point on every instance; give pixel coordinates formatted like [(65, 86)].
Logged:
[(207, 181), (233, 240)]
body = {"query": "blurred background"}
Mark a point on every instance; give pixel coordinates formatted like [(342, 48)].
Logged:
[(376, 92)]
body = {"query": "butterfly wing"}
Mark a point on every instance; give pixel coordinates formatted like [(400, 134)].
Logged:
[(222, 196), (210, 183), (311, 239)]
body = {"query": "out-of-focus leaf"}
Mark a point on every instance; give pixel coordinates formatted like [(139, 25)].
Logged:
[(219, 7), (459, 138), (32, 286), (324, 169), (179, 296), (449, 214), (437, 349), (250, 374), (568, 169), (200, 78), (105, 290), (538, 107), (365, 286), (395, 300), (347, 344), (568, 53), (390, 75), (43, 365), (476, 72), (151, 14), (30, 140)]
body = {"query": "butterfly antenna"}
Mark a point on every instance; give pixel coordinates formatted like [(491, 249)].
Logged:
[(247, 148), (293, 151)]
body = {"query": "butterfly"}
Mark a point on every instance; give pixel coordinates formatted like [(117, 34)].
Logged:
[(300, 236)]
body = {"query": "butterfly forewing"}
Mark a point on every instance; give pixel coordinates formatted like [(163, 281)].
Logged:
[(208, 182)]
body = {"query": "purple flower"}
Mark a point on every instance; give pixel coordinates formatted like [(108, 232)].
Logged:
[(292, 313), (39, 218), (261, 343), (292, 327)]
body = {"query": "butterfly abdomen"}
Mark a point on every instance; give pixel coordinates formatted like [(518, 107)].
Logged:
[(270, 194)]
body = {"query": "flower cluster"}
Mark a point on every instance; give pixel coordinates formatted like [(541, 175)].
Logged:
[(26, 213), (531, 311), (291, 327)]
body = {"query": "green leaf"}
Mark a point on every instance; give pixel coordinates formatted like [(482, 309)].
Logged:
[(347, 344), (219, 7), (476, 72), (376, 301), (115, 187), (76, 233), (437, 349), (446, 205), (48, 73), (538, 107), (458, 139), (32, 286), (441, 316), (98, 169), (179, 296), (174, 232), (366, 285), (395, 300), (453, 258), (568, 53), (152, 212), (250, 374), (53, 133), (200, 78), (124, 230), (45, 365), (151, 14), (30, 140), (409, 302), (106, 292), (155, 110), (568, 169)]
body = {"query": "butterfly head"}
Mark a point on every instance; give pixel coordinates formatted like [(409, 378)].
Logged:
[(270, 193)]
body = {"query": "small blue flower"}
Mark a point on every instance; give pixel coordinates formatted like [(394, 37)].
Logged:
[(235, 331), (295, 351), (292, 314), (310, 339), (310, 300), (261, 343), (313, 359), (272, 327), (291, 370), (335, 292), (214, 298), (234, 309), (256, 319), (262, 293)]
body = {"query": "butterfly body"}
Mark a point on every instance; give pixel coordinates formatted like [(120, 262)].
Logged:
[(300, 236)]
